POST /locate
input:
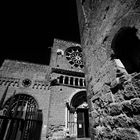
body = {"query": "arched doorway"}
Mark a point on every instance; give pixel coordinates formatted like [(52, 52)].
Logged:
[(126, 47), (79, 114), (21, 118)]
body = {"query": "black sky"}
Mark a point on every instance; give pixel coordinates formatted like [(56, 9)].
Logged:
[(28, 28)]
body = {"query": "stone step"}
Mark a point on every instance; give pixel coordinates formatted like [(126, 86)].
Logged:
[(69, 139), (83, 138)]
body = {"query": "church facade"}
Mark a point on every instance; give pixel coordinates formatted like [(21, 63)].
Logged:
[(57, 91), (95, 84)]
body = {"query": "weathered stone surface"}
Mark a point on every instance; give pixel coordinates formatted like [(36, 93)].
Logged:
[(115, 96), (127, 108), (136, 122), (122, 121), (118, 97), (126, 134), (136, 84), (94, 114), (136, 105), (107, 98), (115, 109), (129, 91), (56, 131)]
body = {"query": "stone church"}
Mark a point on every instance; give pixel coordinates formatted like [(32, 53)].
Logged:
[(90, 89), (57, 90)]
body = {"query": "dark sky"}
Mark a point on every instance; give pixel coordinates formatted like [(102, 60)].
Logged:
[(28, 28)]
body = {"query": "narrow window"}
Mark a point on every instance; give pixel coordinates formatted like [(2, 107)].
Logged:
[(71, 80), (76, 81), (81, 82), (61, 79), (66, 80)]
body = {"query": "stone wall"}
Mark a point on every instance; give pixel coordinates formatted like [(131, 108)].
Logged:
[(13, 68), (113, 94), (58, 55), (57, 110), (13, 73)]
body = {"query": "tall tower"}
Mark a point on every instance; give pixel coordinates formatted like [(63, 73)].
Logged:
[(68, 105), (66, 55)]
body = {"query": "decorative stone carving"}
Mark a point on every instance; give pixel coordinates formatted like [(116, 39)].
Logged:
[(74, 56)]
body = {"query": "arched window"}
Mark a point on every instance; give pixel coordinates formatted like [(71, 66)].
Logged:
[(126, 47), (24, 118), (78, 99), (18, 103)]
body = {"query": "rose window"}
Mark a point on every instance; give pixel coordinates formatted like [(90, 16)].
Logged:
[(26, 82), (74, 56)]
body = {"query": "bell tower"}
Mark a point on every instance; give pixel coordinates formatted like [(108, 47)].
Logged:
[(66, 55)]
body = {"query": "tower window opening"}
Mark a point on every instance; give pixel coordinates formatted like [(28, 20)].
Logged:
[(66, 80), (61, 79), (71, 80), (76, 81), (126, 47), (81, 82)]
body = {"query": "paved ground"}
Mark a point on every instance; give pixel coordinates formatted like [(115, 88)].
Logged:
[(78, 139), (83, 138), (73, 139)]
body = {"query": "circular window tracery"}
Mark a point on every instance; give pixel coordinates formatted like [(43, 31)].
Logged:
[(74, 56), (26, 82)]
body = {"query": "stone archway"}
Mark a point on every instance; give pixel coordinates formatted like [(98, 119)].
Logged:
[(126, 47), (78, 115)]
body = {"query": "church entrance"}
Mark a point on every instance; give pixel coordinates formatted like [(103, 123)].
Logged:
[(82, 123), (78, 118)]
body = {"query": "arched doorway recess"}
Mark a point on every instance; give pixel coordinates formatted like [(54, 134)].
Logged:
[(78, 121)]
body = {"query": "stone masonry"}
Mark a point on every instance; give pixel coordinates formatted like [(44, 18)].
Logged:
[(49, 87), (15, 72), (111, 68), (113, 93)]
